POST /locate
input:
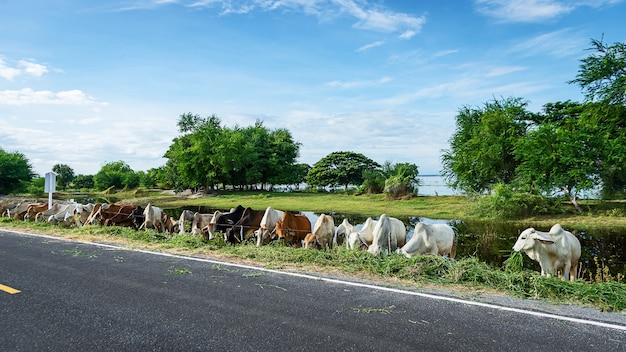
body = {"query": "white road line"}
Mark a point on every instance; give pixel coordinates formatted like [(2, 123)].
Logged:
[(355, 284)]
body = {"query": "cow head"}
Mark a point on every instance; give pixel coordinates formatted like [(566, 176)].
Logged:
[(311, 242), (279, 230), (529, 238)]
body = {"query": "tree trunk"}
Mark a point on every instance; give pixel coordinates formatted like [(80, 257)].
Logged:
[(573, 199)]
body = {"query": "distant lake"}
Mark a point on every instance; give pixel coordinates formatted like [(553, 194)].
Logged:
[(435, 185)]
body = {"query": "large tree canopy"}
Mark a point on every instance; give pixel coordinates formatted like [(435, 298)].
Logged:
[(481, 150), (208, 154), (340, 169), (15, 172), (561, 153)]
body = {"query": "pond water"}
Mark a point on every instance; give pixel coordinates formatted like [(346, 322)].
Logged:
[(492, 242)]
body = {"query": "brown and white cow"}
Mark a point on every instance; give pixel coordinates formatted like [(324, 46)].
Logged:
[(113, 215), (323, 233), (268, 223), (250, 221)]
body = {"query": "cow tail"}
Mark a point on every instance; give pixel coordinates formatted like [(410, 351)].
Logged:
[(453, 249)]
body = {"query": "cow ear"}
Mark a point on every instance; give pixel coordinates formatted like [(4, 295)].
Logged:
[(541, 238)]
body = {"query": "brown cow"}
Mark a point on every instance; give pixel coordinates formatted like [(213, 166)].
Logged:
[(293, 228), (18, 211), (113, 215), (34, 209)]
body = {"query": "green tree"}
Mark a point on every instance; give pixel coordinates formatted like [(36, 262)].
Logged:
[(65, 175), (602, 75), (560, 154), (83, 182), (15, 172), (340, 169), (116, 174), (481, 151), (207, 154), (402, 180)]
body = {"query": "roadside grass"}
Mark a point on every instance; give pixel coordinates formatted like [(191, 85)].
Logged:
[(468, 274)]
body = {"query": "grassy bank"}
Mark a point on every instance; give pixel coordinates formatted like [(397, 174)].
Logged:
[(467, 275)]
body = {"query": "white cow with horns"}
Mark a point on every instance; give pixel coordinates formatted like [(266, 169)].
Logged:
[(557, 250)]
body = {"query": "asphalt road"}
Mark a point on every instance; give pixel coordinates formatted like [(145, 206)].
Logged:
[(84, 297)]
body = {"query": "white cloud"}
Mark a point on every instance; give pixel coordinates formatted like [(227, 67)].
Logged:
[(32, 68), (7, 72), (24, 67), (534, 10), (559, 43), (356, 84), (523, 10), (443, 53), (370, 46), (28, 96), (504, 70), (368, 17)]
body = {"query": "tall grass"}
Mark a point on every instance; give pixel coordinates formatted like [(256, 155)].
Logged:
[(470, 272)]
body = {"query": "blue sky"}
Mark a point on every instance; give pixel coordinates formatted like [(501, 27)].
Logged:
[(84, 83)]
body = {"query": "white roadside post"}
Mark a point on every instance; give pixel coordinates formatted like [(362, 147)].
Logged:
[(50, 186)]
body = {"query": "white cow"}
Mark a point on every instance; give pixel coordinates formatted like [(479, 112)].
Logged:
[(389, 233), (199, 222), (322, 235), (268, 223), (433, 239), (153, 218), (343, 231), (55, 209), (81, 213), (383, 237), (65, 215), (185, 220), (557, 250), (363, 238)]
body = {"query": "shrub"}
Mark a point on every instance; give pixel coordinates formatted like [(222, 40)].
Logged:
[(506, 203)]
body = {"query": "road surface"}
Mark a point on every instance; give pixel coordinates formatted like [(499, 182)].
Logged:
[(77, 296)]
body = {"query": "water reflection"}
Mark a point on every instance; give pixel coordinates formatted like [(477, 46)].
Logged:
[(492, 242)]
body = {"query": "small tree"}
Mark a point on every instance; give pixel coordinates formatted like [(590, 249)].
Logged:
[(402, 180), (83, 182), (15, 172), (340, 169), (65, 175), (115, 174)]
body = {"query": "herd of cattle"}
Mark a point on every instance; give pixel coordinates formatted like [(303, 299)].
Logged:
[(556, 251)]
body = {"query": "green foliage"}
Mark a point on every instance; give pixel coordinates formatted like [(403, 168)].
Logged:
[(373, 181), (481, 150), (36, 187), (505, 202), (602, 75), (560, 154), (207, 155), (83, 182), (65, 175), (15, 172), (402, 180), (340, 169), (116, 175)]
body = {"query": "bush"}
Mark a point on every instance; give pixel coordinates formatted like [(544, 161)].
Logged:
[(506, 203)]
